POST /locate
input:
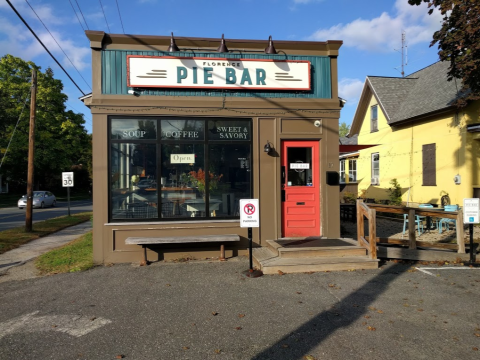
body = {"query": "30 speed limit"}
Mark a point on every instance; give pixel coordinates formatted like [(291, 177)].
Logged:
[(67, 179)]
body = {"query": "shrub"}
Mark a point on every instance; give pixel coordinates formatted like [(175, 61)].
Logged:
[(349, 197), (395, 192)]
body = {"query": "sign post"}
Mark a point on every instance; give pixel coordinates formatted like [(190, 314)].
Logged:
[(249, 217), (67, 181), (471, 215)]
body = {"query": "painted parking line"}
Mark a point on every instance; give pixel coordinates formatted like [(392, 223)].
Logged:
[(425, 270), (74, 325)]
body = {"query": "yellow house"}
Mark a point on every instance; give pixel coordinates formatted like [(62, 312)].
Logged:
[(419, 137)]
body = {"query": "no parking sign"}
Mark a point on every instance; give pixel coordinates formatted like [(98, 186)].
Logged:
[(249, 213)]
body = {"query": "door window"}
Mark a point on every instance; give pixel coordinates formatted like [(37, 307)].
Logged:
[(299, 161)]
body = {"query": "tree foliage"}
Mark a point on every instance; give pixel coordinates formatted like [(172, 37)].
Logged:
[(61, 141), (343, 129), (459, 42)]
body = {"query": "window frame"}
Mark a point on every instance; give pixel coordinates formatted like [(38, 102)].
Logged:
[(374, 120), (373, 167), (350, 161), (159, 142), (429, 168), (342, 171)]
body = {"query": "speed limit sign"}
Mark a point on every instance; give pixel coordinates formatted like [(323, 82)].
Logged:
[(67, 179)]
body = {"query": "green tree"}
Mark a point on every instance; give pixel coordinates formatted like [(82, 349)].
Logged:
[(459, 42), (343, 129), (61, 140)]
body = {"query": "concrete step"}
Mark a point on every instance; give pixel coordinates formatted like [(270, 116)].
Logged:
[(322, 252), (296, 265), (273, 245), (286, 248), (263, 255)]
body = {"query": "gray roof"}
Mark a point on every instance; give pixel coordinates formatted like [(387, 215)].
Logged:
[(349, 141), (420, 93)]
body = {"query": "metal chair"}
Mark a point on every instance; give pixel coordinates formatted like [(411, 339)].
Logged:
[(418, 219), (429, 219), (418, 223), (447, 221)]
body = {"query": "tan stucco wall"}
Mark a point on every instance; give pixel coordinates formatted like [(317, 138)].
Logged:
[(273, 120)]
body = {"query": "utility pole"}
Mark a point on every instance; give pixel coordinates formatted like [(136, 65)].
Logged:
[(31, 152)]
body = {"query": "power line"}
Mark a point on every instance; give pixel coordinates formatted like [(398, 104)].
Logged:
[(105, 16), (13, 133), (82, 15), (75, 11), (79, 112), (58, 44), (40, 41), (121, 21)]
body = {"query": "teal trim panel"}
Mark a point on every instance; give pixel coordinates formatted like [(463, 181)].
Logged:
[(114, 76)]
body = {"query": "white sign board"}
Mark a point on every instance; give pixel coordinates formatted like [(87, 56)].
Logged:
[(217, 73), (471, 211), (299, 166), (182, 158), (67, 179), (249, 213)]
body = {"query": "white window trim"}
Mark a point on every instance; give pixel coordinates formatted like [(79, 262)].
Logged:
[(375, 178), (372, 120), (344, 161)]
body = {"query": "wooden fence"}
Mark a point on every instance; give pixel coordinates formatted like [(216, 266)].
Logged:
[(369, 211)]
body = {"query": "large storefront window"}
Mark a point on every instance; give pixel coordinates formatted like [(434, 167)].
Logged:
[(177, 168)]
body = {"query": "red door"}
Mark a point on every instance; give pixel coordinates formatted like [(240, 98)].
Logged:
[(300, 189)]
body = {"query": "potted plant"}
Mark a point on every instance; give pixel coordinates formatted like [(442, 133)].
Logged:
[(198, 181)]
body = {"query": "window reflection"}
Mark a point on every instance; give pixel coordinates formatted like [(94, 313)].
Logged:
[(230, 170), (184, 174), (189, 129), (133, 129), (299, 166), (133, 185), (179, 187)]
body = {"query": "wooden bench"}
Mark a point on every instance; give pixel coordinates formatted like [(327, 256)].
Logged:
[(145, 241)]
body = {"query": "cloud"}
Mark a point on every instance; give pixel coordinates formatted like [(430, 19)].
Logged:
[(350, 90), (382, 33), (15, 40)]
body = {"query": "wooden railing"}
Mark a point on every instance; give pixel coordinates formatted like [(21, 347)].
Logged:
[(364, 211), (412, 243)]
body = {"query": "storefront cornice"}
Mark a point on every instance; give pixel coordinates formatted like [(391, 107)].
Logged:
[(121, 104), (102, 40)]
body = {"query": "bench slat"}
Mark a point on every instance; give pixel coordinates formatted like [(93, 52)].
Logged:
[(181, 239)]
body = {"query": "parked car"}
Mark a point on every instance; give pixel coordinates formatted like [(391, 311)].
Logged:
[(40, 200)]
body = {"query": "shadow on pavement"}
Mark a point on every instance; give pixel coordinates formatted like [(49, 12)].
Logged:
[(319, 328)]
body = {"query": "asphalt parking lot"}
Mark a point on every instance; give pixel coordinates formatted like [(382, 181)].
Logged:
[(208, 310)]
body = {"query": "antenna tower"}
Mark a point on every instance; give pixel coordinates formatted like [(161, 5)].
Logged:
[(404, 53)]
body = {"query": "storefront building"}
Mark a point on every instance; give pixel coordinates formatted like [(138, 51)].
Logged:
[(184, 128)]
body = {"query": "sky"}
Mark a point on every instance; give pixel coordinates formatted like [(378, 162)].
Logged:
[(371, 31)]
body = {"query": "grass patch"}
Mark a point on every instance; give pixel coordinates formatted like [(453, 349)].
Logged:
[(13, 238), (75, 256)]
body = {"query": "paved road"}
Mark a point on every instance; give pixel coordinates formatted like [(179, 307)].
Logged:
[(208, 310), (14, 217)]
